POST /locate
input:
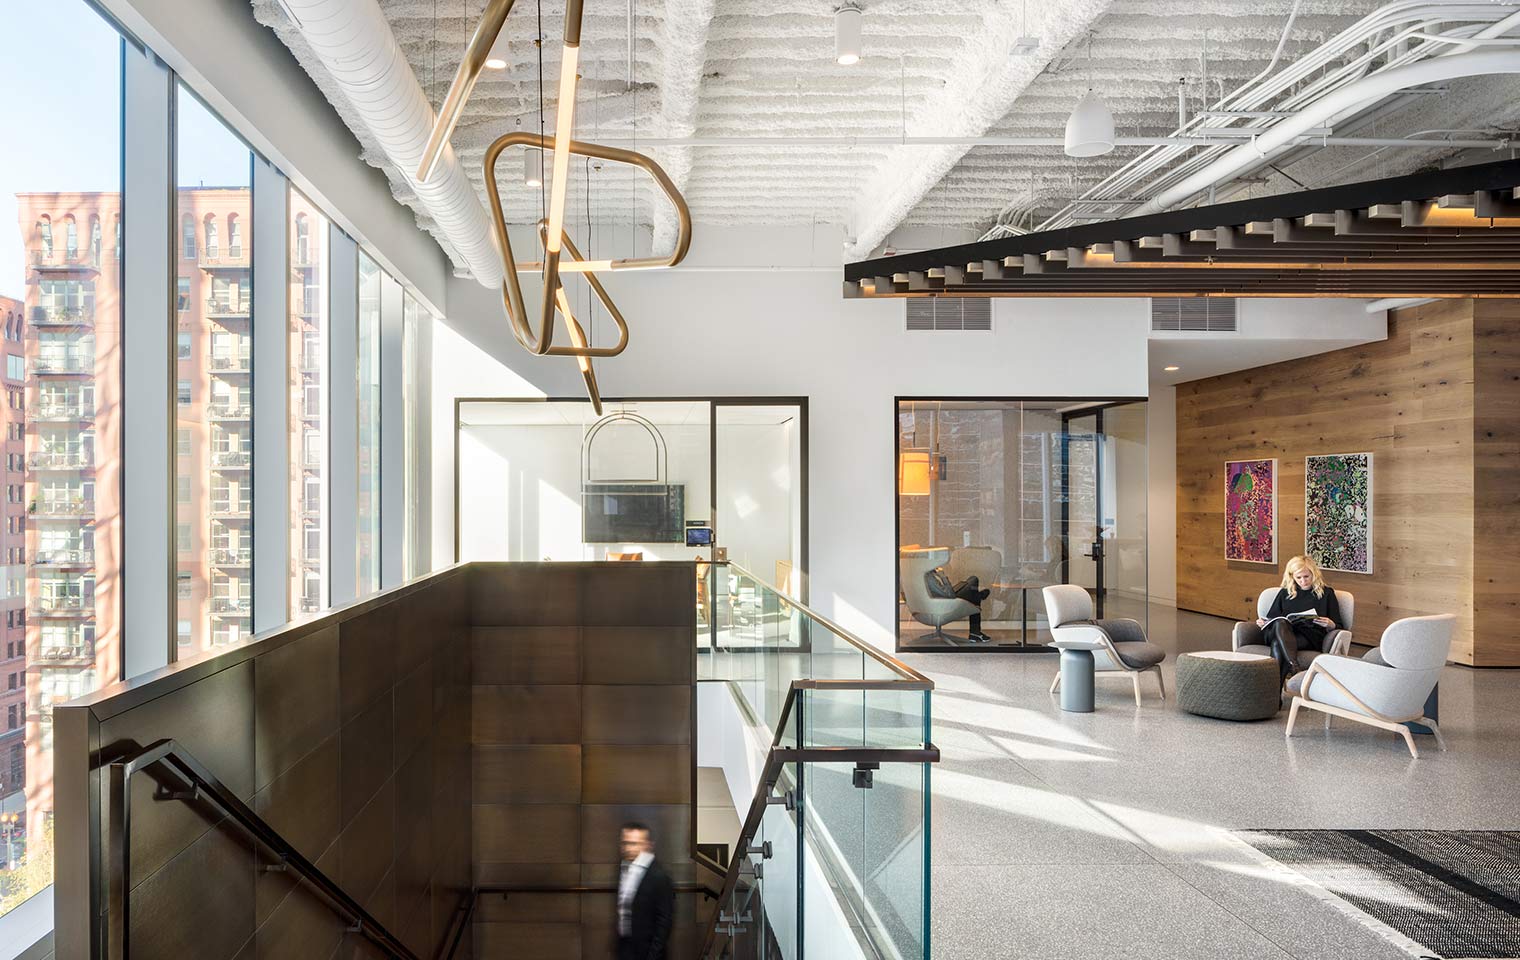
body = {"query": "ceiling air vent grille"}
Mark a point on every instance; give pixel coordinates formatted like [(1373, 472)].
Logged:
[(1193, 314), (949, 313)]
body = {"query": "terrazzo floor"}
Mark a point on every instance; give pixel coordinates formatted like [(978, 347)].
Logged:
[(1106, 835)]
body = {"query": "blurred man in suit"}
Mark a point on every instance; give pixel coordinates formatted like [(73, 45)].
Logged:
[(646, 899)]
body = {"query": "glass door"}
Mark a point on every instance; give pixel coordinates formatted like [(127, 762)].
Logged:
[(1103, 505)]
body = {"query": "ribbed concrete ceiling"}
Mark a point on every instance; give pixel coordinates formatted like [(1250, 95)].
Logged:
[(725, 68)]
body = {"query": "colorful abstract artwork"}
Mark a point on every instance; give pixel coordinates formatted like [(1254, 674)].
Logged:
[(1250, 510), (1338, 511)]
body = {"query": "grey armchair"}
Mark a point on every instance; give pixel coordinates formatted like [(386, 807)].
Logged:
[(1118, 646), (913, 563), (1247, 637), (1388, 687)]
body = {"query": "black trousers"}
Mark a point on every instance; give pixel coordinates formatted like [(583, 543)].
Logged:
[(1286, 639), (970, 589)]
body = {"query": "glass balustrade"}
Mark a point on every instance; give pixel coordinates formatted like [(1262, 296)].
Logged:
[(833, 855)]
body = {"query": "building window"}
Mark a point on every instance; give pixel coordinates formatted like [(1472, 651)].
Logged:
[(95, 240), (182, 295), (182, 392), (187, 236), (45, 237), (234, 236), (211, 239), (15, 367), (70, 239)]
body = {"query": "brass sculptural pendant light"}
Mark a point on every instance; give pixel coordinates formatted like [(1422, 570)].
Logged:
[(552, 237)]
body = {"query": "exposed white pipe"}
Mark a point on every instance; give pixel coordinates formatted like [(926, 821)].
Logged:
[(1352, 97), (355, 44), (1394, 303), (1224, 138)]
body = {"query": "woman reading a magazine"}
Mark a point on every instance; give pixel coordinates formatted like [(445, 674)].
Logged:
[(1304, 611)]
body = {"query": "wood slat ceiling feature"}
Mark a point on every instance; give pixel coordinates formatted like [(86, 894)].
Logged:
[(1445, 233)]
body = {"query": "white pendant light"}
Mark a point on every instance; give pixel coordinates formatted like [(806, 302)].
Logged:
[(847, 33), (1090, 128), (534, 161), (496, 58)]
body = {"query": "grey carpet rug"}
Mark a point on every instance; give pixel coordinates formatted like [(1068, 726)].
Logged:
[(1455, 892)]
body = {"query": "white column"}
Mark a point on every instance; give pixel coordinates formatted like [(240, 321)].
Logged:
[(271, 398), (147, 348), (343, 418), (392, 501)]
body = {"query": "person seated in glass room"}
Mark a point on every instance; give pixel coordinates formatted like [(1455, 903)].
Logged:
[(1304, 610), (968, 589)]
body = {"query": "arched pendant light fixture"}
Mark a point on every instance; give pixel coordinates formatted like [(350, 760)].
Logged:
[(847, 33), (1090, 128)]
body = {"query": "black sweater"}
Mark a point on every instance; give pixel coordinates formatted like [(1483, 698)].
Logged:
[(1325, 606)]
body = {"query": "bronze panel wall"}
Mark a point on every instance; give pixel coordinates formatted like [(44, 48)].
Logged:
[(583, 707), (349, 734)]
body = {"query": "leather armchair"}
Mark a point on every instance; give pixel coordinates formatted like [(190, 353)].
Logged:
[(1118, 646), (1388, 687), (1247, 637), (912, 565)]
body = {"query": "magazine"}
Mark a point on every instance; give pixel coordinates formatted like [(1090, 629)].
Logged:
[(1295, 615)]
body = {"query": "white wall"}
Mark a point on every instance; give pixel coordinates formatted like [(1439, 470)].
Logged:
[(729, 329)]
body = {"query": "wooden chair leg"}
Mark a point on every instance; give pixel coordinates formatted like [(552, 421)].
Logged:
[(1436, 731), (1409, 741), (1136, 677), (1160, 682), (1293, 715), (1056, 683)]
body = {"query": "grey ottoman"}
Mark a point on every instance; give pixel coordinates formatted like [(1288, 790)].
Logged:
[(1228, 685)]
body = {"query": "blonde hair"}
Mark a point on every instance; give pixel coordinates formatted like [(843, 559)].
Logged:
[(1302, 563)]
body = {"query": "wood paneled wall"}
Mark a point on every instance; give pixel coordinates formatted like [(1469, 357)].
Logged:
[(1436, 403), (584, 718), (1496, 480)]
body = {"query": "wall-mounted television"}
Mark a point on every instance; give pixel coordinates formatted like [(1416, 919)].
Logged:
[(633, 512)]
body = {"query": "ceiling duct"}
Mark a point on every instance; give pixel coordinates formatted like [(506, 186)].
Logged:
[(949, 313), (356, 46), (1193, 314)]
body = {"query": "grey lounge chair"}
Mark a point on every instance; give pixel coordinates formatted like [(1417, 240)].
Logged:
[(913, 564), (1118, 646)]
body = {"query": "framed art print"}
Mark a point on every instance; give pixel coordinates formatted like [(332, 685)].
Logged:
[(1338, 511), (1250, 510)]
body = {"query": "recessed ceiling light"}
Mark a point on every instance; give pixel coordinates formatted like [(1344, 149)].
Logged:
[(496, 57), (847, 33), (1025, 46), (1171, 368)]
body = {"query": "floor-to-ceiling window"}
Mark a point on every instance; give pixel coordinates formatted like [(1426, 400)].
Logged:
[(213, 383), (308, 405), (60, 410), (372, 281), (414, 559), (1019, 494)]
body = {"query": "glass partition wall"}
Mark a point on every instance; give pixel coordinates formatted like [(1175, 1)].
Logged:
[(1018, 494)]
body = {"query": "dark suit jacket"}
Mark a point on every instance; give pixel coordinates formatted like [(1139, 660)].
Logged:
[(654, 905)]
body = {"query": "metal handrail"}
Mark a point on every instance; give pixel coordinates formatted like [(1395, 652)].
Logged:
[(466, 909), (203, 785), (775, 761), (891, 663)]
